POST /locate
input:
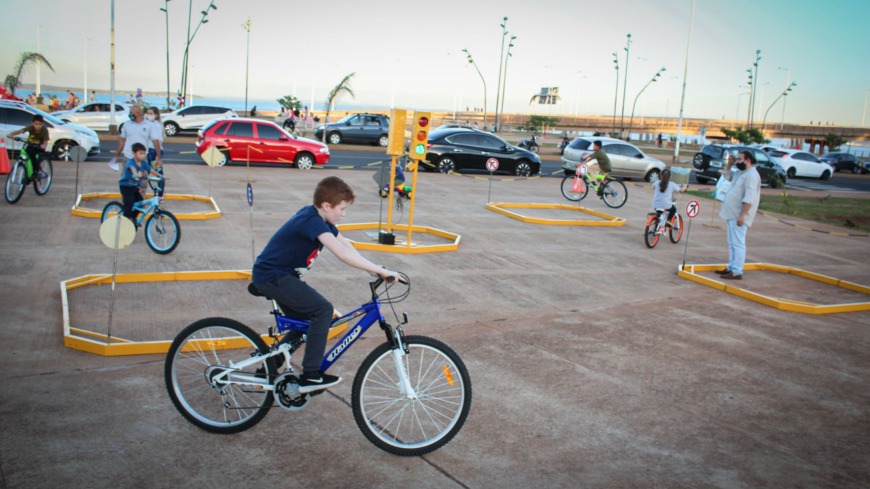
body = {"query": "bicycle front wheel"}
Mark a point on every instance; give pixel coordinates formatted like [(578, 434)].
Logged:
[(650, 233), (162, 232), (614, 194), (15, 182), (677, 229), (569, 191), (204, 387), (112, 209), (45, 173), (403, 426)]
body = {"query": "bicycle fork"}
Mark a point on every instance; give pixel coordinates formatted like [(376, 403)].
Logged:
[(399, 352)]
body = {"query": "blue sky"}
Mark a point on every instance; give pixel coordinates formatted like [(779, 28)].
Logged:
[(410, 53)]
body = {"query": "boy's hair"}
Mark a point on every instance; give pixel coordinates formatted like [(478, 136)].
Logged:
[(596, 143), (38, 118), (334, 191), (138, 147)]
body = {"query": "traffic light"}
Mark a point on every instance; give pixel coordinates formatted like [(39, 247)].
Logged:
[(420, 136)]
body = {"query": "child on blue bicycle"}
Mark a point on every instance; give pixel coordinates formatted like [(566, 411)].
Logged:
[(291, 252), (133, 183)]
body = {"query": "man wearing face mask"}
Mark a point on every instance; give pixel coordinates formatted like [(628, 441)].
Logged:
[(738, 210), (137, 130)]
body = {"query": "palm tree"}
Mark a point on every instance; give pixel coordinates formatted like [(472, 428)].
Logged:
[(342, 87), (14, 81)]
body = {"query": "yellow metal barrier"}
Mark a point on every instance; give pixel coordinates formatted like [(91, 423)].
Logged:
[(412, 248), (609, 220), (78, 210), (691, 272)]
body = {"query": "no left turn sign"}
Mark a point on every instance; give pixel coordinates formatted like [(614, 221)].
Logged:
[(492, 164), (693, 208)]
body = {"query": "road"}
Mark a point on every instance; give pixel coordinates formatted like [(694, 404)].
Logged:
[(366, 157)]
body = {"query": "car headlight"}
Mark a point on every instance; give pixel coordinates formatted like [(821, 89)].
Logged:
[(324, 150)]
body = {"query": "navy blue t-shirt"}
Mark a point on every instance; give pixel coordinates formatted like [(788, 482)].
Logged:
[(294, 247)]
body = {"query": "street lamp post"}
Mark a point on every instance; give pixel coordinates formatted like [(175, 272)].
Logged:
[(624, 85), (754, 81), (683, 96), (165, 10), (471, 61), (247, 27), (631, 121), (500, 59), (190, 37), (866, 97), (615, 95), (787, 75), (504, 79), (783, 94)]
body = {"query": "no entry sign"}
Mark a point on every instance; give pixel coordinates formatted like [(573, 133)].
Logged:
[(693, 208), (492, 164)]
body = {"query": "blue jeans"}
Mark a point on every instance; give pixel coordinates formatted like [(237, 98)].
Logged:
[(736, 247)]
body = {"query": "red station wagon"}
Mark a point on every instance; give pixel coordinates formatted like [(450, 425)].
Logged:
[(261, 141)]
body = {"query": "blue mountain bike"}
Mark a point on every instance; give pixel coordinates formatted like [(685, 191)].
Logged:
[(410, 396), (162, 230)]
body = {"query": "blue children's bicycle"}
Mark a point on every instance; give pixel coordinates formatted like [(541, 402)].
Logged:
[(24, 172), (410, 396), (162, 231)]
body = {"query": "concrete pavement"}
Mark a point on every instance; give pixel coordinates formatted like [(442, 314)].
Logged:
[(592, 363)]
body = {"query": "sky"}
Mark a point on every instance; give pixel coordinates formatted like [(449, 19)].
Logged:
[(409, 54)]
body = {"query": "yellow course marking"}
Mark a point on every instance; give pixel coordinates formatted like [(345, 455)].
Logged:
[(409, 248), (691, 272), (77, 210), (608, 219), (100, 344)]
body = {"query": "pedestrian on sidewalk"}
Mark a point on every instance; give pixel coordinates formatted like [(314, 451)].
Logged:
[(738, 210)]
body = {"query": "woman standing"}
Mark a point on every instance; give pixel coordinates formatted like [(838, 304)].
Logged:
[(152, 115)]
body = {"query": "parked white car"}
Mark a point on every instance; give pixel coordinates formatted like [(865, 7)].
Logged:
[(96, 115), (801, 164), (627, 161), (62, 135), (193, 117)]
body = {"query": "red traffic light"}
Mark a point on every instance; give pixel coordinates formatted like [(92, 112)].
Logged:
[(423, 122)]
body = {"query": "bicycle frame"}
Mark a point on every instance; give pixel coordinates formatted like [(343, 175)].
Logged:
[(144, 208)]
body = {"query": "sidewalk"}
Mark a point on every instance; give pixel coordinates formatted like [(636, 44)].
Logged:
[(593, 365)]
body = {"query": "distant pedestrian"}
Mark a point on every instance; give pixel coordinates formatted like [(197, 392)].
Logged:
[(738, 210), (660, 140), (254, 111), (70, 101), (93, 96)]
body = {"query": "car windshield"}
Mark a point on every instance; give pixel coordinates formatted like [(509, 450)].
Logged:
[(346, 118)]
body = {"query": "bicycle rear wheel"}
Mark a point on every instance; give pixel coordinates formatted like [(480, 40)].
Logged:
[(202, 385), (677, 229), (162, 232), (614, 194), (15, 182), (112, 209), (42, 185), (568, 185), (403, 426), (650, 234)]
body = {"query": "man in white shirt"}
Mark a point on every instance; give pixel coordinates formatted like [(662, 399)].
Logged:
[(136, 130), (738, 210)]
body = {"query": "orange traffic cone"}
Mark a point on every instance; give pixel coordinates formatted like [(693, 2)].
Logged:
[(4, 158)]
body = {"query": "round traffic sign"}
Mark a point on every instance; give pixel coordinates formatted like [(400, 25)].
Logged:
[(117, 232), (582, 169), (693, 208), (492, 164)]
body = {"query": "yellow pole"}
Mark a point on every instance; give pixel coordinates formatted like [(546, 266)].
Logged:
[(390, 195), (413, 197)]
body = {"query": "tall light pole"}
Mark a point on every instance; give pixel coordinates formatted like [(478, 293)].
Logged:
[(615, 95), (85, 73), (631, 121), (754, 81), (783, 94), (165, 10), (787, 75), (683, 96), (866, 97), (624, 84), (504, 79), (471, 61), (190, 37), (500, 58), (247, 27)]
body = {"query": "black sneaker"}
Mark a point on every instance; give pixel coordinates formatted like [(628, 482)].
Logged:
[(316, 381)]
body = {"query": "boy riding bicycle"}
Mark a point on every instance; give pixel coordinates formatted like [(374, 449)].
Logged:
[(37, 142), (132, 183), (291, 252), (602, 164)]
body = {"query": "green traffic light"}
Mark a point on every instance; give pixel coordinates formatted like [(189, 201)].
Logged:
[(419, 149)]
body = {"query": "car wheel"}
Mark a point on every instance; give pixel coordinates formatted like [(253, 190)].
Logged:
[(170, 129), (826, 175), (446, 165), (522, 169), (225, 153), (701, 161), (854, 170), (790, 173), (774, 182), (654, 175), (334, 138), (62, 148), (383, 140), (304, 161)]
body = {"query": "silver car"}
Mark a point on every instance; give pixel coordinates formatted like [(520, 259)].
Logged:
[(96, 115), (627, 161), (63, 136)]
